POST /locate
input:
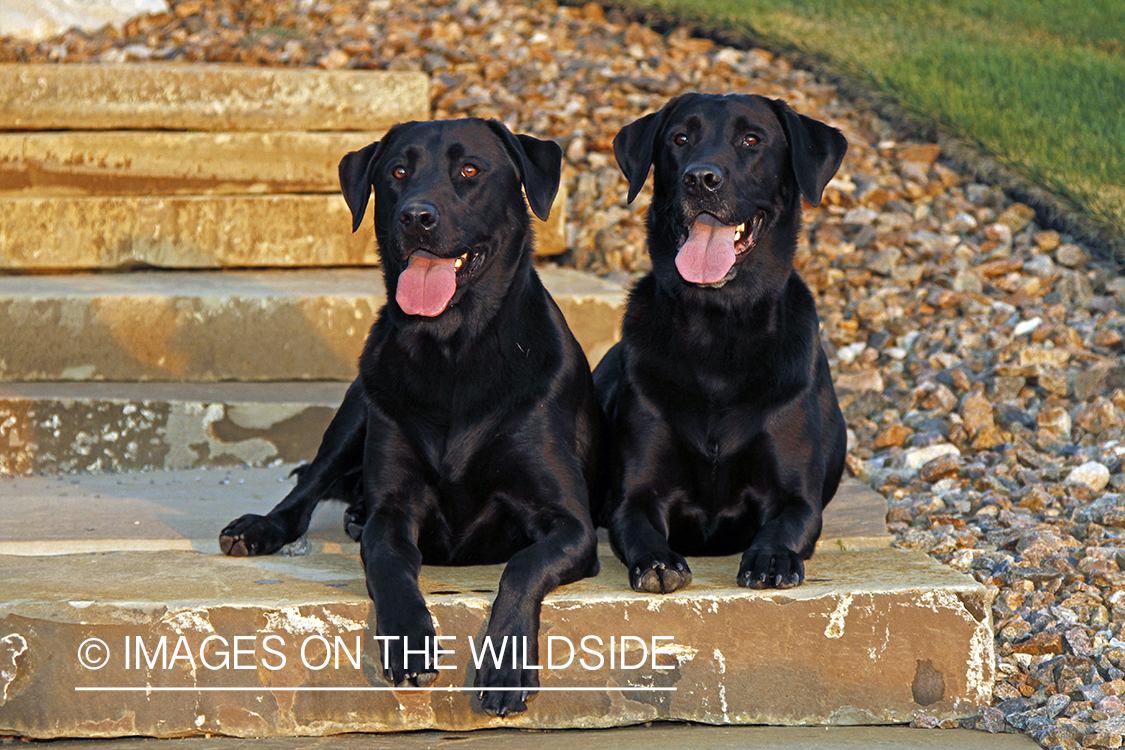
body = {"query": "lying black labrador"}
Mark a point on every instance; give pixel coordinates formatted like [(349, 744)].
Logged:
[(471, 434), (727, 436)]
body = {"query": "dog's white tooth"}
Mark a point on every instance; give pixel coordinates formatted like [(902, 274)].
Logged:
[(458, 263)]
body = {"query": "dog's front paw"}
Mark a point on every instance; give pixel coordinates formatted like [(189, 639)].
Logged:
[(771, 568), (408, 660), (254, 535), (518, 685), (659, 573)]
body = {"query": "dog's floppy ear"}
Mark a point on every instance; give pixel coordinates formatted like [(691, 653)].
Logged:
[(633, 148), (540, 164), (355, 179), (815, 149)]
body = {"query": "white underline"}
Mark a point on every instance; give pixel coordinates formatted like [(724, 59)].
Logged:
[(368, 689)]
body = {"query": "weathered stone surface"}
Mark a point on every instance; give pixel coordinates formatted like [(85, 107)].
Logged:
[(207, 97), (185, 509), (168, 163), (871, 637), (92, 427), (57, 234), (293, 325), (36, 20), (651, 737)]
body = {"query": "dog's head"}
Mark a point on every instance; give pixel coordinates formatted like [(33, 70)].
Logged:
[(729, 173), (450, 216)]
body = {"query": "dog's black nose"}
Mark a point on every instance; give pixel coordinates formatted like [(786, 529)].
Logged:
[(700, 178), (418, 217)]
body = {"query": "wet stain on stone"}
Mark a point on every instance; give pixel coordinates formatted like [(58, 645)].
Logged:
[(929, 684)]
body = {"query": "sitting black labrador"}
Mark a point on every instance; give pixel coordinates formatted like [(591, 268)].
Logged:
[(471, 434), (727, 436)]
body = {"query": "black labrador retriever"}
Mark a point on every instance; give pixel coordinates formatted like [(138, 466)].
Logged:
[(471, 434), (727, 436)]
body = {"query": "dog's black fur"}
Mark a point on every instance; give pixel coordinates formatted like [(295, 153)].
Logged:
[(471, 435), (727, 435)]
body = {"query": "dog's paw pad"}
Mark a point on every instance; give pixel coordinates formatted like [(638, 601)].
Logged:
[(252, 535), (660, 575), (771, 569)]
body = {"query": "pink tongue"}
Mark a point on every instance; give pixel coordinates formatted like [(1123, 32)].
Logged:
[(427, 285), (708, 254)]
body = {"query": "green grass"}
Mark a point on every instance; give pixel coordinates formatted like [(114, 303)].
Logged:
[(1039, 85)]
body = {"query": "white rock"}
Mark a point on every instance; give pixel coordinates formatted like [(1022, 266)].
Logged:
[(36, 20), (861, 215), (916, 458), (1092, 473), (1026, 326)]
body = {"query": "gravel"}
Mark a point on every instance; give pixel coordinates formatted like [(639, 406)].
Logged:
[(977, 356)]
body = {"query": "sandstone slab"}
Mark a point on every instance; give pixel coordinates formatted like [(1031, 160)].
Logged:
[(296, 230), (37, 20), (247, 326), (120, 232), (146, 163), (116, 427), (207, 97), (871, 637), (188, 200), (653, 737), (185, 510)]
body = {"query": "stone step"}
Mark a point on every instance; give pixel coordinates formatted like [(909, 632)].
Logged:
[(146, 163), (874, 635), (652, 737), (177, 169), (207, 97), (120, 232), (215, 326), (185, 509), (200, 232), (115, 427)]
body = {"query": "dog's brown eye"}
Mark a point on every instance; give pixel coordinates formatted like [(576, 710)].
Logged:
[(680, 139), (750, 140), (399, 172), (469, 171)]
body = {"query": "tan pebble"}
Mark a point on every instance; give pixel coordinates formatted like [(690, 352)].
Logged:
[(1047, 241), (334, 60)]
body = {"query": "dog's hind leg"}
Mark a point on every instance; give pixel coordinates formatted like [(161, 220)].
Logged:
[(333, 474)]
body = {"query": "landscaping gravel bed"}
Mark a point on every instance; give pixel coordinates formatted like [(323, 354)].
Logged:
[(978, 357)]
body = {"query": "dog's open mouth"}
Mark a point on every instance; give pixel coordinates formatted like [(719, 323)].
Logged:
[(710, 249), (427, 285)]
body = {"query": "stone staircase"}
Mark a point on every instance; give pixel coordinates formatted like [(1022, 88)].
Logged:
[(180, 312), (220, 183)]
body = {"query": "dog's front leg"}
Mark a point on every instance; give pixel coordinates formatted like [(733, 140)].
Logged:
[(332, 471), (640, 536), (391, 560), (647, 479), (566, 553), (397, 501), (776, 557)]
